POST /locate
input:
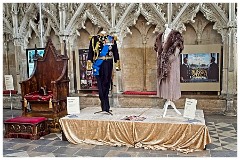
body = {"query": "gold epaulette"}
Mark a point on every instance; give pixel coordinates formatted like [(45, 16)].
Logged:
[(90, 37), (89, 65), (117, 65), (115, 38)]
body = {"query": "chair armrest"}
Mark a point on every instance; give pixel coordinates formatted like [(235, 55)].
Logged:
[(28, 86)]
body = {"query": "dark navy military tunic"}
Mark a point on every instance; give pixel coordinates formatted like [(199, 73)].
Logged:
[(104, 79)]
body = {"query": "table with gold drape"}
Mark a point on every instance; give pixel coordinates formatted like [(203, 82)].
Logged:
[(175, 133)]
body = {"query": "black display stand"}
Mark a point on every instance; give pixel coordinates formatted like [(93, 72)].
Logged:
[(104, 112)]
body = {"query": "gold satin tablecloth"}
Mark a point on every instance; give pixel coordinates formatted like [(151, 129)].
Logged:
[(171, 132)]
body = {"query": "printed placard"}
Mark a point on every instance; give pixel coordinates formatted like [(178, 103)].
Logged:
[(190, 108), (9, 82), (73, 106)]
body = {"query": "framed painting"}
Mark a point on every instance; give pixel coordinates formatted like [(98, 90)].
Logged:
[(200, 67), (31, 54)]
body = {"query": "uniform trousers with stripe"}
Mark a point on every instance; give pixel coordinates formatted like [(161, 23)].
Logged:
[(104, 81)]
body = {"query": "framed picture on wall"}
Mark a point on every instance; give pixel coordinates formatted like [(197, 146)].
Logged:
[(200, 67), (31, 54), (87, 80)]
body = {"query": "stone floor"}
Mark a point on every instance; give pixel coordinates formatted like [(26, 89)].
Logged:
[(223, 132)]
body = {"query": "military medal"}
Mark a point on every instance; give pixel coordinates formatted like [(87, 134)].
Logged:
[(110, 53), (107, 41), (110, 47)]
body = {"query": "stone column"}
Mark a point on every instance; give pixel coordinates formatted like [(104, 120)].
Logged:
[(77, 73), (144, 42), (62, 35), (70, 66), (232, 56), (231, 77), (225, 64), (169, 11), (19, 68), (6, 49), (117, 76), (117, 82), (17, 43), (70, 61)]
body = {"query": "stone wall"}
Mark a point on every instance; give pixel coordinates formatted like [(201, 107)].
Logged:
[(209, 104), (135, 24)]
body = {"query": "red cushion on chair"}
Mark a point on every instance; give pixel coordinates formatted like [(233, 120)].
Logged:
[(45, 98), (32, 120), (35, 96), (31, 96)]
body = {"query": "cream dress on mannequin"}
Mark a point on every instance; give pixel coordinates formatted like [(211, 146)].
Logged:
[(169, 88)]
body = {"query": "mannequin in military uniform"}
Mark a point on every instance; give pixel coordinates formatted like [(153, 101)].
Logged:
[(102, 51)]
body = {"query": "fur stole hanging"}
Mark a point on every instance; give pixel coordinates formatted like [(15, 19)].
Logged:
[(165, 50)]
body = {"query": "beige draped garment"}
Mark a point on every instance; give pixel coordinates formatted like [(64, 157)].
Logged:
[(169, 65)]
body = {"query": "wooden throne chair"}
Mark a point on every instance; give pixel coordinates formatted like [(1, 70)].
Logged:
[(45, 92)]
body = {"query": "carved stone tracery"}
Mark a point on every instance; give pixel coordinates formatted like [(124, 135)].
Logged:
[(120, 9), (66, 19), (154, 15), (7, 18), (105, 9), (212, 14), (200, 23), (97, 18), (176, 8), (126, 15), (127, 20), (51, 11), (224, 7), (186, 15)]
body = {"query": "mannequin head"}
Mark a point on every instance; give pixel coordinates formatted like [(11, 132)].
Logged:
[(167, 28), (103, 32), (166, 32), (166, 25)]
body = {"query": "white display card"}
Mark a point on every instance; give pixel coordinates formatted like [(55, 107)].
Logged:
[(9, 82), (190, 108), (73, 106)]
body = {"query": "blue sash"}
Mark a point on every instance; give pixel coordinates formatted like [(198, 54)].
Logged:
[(98, 62)]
